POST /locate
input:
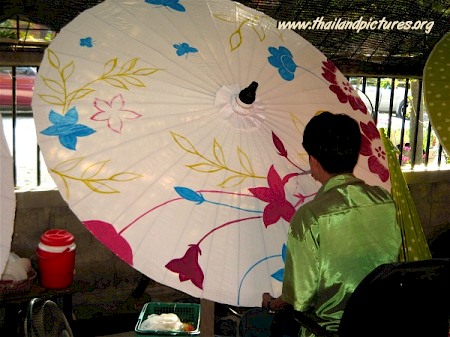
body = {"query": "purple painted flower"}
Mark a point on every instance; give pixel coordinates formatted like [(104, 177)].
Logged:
[(187, 267)]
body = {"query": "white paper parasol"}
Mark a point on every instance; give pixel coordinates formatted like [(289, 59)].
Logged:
[(436, 87), (7, 199), (140, 124)]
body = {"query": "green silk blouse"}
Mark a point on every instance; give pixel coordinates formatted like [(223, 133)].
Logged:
[(334, 241)]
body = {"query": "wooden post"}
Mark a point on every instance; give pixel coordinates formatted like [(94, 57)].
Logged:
[(207, 317)]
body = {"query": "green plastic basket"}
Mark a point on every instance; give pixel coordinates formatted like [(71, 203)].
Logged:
[(187, 312)]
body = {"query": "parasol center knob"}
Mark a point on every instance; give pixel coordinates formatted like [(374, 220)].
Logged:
[(248, 95), (240, 107)]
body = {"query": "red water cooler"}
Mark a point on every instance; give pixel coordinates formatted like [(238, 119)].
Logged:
[(56, 259)]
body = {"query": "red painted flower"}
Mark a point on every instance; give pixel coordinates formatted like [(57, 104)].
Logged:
[(113, 112), (107, 234), (371, 146), (278, 207), (343, 90), (187, 267)]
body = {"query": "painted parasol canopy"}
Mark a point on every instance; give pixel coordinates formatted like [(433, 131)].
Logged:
[(173, 130)]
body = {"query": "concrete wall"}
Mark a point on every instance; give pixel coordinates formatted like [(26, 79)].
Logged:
[(431, 194), (103, 282)]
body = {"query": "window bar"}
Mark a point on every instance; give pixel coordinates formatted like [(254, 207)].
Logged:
[(38, 166), (440, 155), (391, 104), (441, 152), (427, 148), (38, 156), (377, 101), (417, 118), (363, 85), (402, 134), (363, 90), (14, 121)]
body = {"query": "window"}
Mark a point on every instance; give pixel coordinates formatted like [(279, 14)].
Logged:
[(16, 92), (391, 102), (25, 33), (396, 104)]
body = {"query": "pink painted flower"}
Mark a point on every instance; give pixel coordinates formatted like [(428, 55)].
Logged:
[(113, 112), (343, 90), (108, 235), (187, 267), (372, 147), (277, 207)]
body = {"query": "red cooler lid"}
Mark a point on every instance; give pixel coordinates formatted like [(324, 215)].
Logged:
[(57, 237)]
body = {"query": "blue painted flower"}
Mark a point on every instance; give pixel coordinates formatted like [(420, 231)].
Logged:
[(66, 128), (174, 4), (184, 48), (282, 59), (86, 42), (279, 274), (189, 194)]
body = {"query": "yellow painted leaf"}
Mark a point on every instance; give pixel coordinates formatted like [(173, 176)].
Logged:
[(205, 167), (125, 176), (68, 70), (68, 165), (145, 71), (93, 170), (235, 40), (52, 100), (110, 66), (299, 125), (100, 187), (53, 85), (225, 18), (134, 81), (184, 143), (53, 59), (245, 162), (218, 152), (80, 93), (116, 83), (232, 181), (129, 65), (66, 184), (260, 32)]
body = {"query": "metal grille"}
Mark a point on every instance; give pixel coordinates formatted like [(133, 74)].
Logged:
[(396, 104), (407, 124)]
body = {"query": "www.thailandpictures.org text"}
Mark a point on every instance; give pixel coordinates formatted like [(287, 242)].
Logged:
[(320, 23)]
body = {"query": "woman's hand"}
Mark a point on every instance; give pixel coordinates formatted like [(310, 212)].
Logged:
[(272, 303), (266, 300)]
